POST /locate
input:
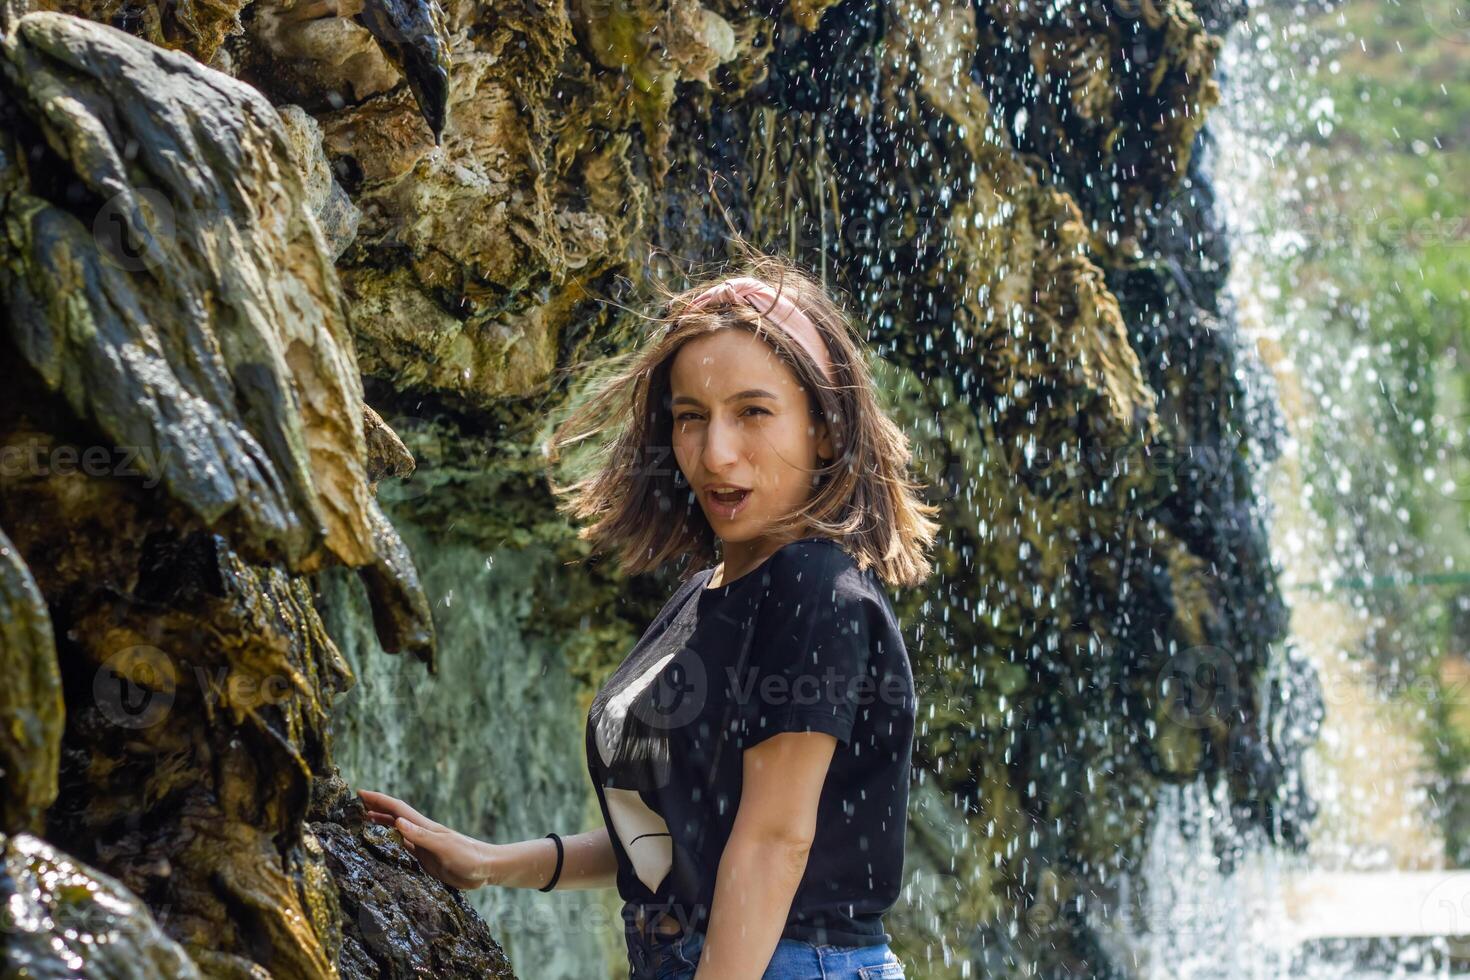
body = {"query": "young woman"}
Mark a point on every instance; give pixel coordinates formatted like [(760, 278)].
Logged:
[(751, 754)]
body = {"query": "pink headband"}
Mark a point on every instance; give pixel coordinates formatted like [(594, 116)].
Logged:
[(778, 309)]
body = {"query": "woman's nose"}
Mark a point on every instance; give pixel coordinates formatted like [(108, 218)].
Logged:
[(721, 444)]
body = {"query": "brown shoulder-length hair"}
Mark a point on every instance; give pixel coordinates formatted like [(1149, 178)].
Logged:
[(636, 504)]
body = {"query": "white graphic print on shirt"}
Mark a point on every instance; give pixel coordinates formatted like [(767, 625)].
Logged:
[(642, 832)]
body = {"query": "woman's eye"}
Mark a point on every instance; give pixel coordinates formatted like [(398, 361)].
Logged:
[(694, 416)]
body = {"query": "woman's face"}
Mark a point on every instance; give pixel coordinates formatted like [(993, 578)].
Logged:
[(740, 418)]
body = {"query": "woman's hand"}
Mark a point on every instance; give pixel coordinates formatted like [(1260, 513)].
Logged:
[(458, 861)]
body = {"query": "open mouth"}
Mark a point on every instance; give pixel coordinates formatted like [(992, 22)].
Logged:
[(727, 504)]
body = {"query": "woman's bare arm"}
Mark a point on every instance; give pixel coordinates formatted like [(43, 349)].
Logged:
[(463, 862), (764, 860), (589, 862)]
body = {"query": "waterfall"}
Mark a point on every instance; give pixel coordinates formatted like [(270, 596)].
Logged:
[(1372, 896)]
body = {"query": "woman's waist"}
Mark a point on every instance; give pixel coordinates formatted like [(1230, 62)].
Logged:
[(849, 924)]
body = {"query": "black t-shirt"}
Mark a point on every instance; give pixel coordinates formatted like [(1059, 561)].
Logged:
[(803, 642)]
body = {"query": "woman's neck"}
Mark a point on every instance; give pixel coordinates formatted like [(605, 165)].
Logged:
[(741, 557)]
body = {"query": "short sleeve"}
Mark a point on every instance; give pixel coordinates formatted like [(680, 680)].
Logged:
[(810, 657)]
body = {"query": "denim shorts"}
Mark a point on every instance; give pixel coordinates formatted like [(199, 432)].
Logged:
[(674, 957)]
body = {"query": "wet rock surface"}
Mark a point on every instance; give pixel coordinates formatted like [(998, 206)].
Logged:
[(397, 922), (64, 919), (184, 436)]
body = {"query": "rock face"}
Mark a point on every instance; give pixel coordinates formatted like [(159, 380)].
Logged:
[(1014, 199), (31, 703), (232, 374), (64, 919), (184, 430)]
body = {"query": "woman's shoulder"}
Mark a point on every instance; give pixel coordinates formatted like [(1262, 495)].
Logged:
[(818, 577), (809, 564), (681, 594)]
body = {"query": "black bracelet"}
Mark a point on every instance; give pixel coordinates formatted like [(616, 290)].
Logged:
[(560, 853)]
